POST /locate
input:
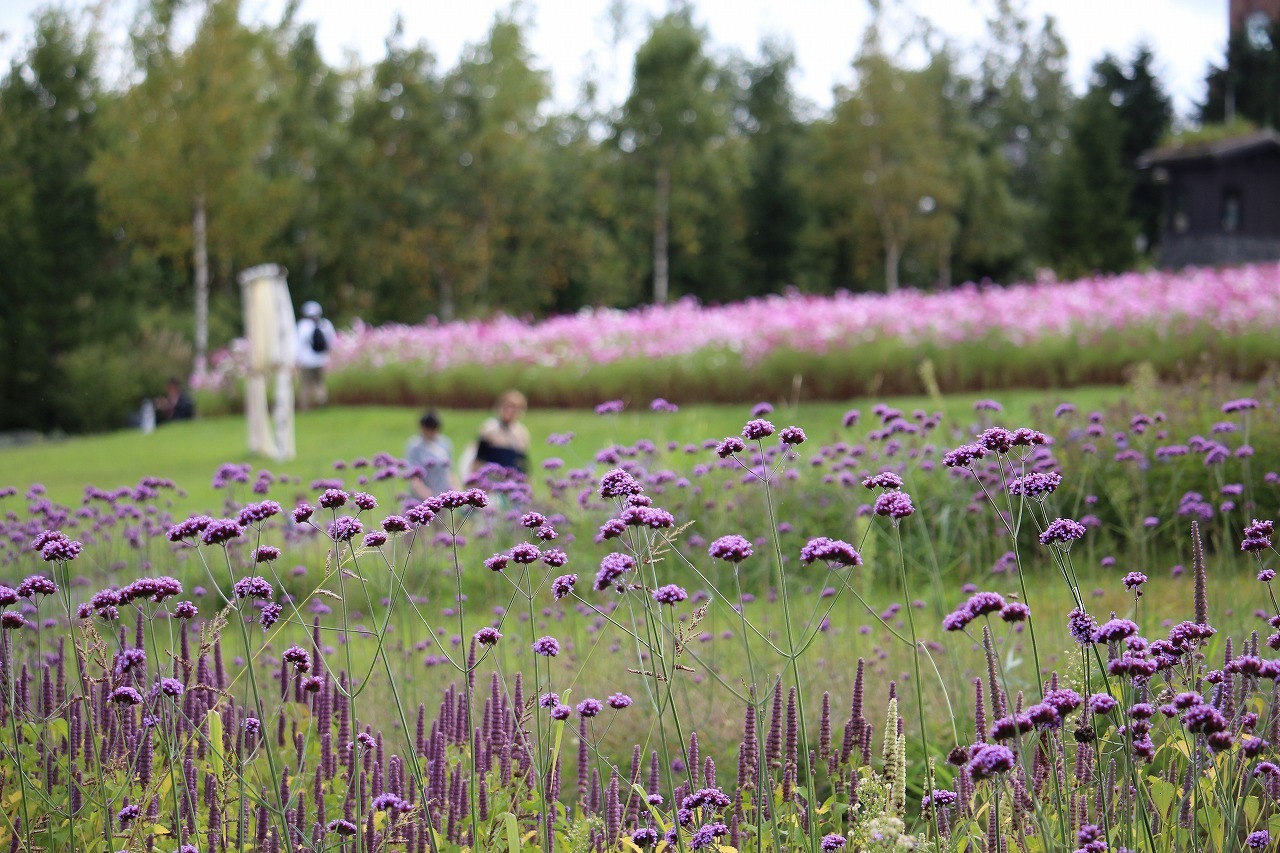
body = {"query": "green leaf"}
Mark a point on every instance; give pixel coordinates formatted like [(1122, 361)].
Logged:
[(1251, 809), (215, 743), (513, 833), (1162, 795)]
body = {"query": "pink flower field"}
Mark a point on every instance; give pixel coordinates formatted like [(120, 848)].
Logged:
[(1167, 304)]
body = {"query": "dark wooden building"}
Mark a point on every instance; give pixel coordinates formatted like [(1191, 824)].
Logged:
[(1221, 200)]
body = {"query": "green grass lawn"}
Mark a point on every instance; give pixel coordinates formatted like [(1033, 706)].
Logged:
[(189, 453)]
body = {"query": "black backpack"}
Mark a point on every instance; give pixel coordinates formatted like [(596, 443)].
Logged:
[(319, 341)]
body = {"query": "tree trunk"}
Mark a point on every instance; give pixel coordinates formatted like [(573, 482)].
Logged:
[(661, 226), (944, 265), (892, 255), (200, 237)]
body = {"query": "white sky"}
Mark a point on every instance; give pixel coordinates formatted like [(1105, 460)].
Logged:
[(571, 37)]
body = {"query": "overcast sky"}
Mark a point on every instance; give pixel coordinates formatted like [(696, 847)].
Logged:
[(572, 38)]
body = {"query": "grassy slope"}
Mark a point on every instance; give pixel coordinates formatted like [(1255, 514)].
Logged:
[(188, 453)]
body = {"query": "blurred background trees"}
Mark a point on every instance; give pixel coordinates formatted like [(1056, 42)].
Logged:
[(403, 190)]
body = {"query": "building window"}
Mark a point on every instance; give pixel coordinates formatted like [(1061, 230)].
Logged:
[(1231, 210), (1178, 219)]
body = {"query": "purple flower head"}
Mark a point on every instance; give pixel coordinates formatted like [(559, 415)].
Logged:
[(731, 445), (258, 512), (832, 842), (1134, 581), (982, 603), (555, 558), (60, 550), (1081, 626), (11, 619), (792, 435), (375, 539), (421, 515), (561, 712), (963, 456), (389, 802), (619, 484), (1114, 631), (345, 528), (525, 553), (613, 567), (548, 647), (342, 827), (894, 503), (364, 501), (129, 660), (395, 524), (185, 610), (253, 587), (669, 594), (1015, 611), (834, 552), (332, 498), (170, 687), (988, 760), (266, 553), (497, 562), (488, 636), (1062, 531), (1037, 484), (661, 405), (883, 480), (610, 407), (590, 707), (957, 620), (302, 512), (645, 836), (562, 586), (1258, 840), (733, 548), (221, 531), (39, 585), (706, 835), (1102, 703), (128, 814), (850, 418), (1241, 405), (126, 696), (548, 700), (618, 701), (996, 440)]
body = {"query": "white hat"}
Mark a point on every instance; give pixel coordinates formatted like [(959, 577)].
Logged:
[(311, 309)]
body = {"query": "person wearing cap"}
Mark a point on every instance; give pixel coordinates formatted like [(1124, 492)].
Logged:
[(315, 339), (430, 458)]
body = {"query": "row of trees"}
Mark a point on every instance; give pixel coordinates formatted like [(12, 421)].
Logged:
[(402, 190)]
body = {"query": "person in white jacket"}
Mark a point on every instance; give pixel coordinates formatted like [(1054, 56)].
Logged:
[(315, 339)]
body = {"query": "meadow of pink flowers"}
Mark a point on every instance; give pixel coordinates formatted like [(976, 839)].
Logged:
[(1228, 301)]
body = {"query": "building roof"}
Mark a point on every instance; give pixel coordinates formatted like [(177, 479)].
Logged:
[(1217, 149)]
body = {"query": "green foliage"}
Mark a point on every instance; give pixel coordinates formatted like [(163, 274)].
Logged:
[(1088, 226), (1248, 85), (401, 190)]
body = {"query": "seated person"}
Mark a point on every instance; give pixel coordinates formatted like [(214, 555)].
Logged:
[(432, 453), (503, 439), (175, 405)]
